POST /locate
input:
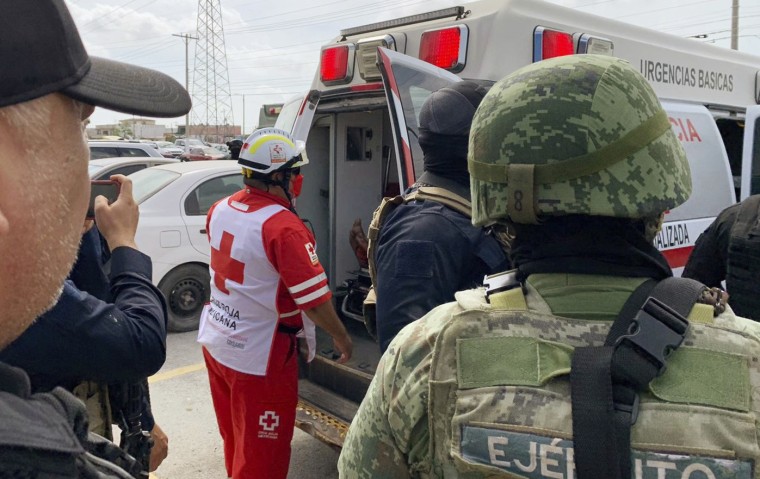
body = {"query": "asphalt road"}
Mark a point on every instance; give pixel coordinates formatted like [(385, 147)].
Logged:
[(182, 406)]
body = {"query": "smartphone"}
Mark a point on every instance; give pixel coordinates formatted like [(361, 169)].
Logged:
[(109, 189)]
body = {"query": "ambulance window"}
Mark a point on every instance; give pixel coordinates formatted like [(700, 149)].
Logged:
[(355, 145), (288, 114), (732, 133), (754, 187), (418, 96)]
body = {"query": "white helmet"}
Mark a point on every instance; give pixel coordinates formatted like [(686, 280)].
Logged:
[(268, 150)]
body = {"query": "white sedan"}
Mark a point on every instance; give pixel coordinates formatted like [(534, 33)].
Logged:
[(173, 200)]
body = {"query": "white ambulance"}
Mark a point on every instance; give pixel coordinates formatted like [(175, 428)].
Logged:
[(360, 125)]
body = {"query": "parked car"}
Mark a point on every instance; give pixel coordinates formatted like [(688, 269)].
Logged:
[(103, 168), (169, 149), (114, 149), (202, 154), (173, 201), (221, 147), (184, 143)]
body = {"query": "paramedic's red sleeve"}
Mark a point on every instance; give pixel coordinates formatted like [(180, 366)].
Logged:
[(292, 251)]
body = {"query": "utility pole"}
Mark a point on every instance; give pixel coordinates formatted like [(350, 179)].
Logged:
[(186, 38), (735, 25)]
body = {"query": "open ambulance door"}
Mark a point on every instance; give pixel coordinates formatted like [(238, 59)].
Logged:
[(751, 153), (297, 114), (408, 82)]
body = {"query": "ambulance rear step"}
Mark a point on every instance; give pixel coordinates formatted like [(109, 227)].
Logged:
[(329, 427)]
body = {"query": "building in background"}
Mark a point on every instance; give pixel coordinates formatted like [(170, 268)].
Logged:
[(132, 128)]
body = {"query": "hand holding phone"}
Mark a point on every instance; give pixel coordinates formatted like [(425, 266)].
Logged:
[(108, 188), (117, 218)]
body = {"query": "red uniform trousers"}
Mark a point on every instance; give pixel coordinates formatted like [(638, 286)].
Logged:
[(256, 414)]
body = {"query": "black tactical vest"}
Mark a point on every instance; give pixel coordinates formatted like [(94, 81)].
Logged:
[(44, 436), (743, 269)]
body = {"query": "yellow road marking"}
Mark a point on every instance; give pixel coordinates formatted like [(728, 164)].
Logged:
[(176, 372)]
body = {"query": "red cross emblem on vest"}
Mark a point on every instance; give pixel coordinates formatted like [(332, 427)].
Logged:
[(224, 265)]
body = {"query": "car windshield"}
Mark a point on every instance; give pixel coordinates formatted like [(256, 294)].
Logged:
[(210, 151), (145, 183)]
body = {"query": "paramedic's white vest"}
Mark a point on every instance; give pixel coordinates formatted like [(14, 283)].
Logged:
[(238, 326)]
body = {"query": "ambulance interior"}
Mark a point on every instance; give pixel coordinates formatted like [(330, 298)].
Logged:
[(732, 132), (351, 168)]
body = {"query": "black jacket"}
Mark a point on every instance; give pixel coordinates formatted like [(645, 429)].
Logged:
[(118, 337)]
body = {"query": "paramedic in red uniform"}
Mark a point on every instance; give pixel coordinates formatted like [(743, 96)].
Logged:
[(267, 285)]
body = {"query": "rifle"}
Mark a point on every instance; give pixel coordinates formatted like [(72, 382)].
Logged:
[(126, 401)]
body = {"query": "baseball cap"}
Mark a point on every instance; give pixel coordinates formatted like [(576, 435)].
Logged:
[(42, 53)]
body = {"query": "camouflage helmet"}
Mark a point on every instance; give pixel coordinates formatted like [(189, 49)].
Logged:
[(580, 134)]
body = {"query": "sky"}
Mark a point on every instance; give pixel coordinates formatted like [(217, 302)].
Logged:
[(272, 48)]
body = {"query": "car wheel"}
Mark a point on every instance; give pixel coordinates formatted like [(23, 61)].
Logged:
[(187, 290)]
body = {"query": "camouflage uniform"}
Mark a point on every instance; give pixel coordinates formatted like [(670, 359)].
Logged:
[(397, 434), (480, 389)]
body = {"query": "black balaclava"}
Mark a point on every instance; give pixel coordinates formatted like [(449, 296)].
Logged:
[(445, 120)]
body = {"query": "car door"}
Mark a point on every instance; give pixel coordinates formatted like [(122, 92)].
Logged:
[(408, 82), (198, 201)]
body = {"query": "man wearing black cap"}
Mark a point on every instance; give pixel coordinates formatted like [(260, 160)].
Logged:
[(427, 251), (48, 86)]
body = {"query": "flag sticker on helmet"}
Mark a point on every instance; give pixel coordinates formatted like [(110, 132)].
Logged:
[(277, 153), (312, 251)]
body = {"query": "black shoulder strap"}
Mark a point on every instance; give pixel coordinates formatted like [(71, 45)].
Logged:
[(605, 380)]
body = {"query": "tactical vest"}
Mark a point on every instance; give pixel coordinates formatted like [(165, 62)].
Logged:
[(744, 260), (95, 398), (500, 402), (387, 205), (45, 435)]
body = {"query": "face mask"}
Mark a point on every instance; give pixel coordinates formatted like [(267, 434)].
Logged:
[(297, 184)]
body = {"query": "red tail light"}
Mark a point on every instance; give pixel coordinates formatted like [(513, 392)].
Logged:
[(551, 43), (337, 64), (445, 47)]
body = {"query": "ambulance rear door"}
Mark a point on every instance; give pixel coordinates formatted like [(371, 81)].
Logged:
[(751, 154), (297, 114), (408, 82), (711, 178)]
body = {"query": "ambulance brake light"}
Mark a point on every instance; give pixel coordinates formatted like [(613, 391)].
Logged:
[(549, 43), (336, 64), (445, 47)]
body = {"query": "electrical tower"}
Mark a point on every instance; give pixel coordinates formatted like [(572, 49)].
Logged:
[(212, 103)]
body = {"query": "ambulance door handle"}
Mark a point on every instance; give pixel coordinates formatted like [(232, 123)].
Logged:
[(203, 231)]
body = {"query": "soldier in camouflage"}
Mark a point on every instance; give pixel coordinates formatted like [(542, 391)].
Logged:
[(576, 154)]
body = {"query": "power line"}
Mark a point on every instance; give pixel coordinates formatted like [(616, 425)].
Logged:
[(100, 18)]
